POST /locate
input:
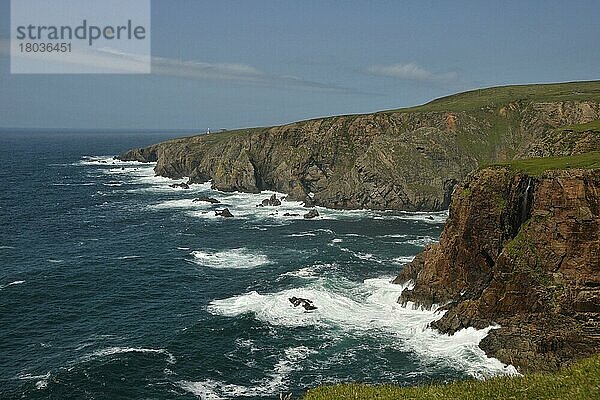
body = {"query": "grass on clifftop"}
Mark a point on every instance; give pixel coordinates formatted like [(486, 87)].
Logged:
[(580, 381), (535, 166), (590, 126), (502, 95)]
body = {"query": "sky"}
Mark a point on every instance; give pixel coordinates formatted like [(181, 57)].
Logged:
[(228, 64)]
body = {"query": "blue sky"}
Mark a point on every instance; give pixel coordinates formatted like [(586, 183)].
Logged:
[(259, 63)]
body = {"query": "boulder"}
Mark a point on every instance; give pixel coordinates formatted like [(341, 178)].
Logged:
[(311, 214)]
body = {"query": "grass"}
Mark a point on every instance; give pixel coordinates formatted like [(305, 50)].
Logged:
[(590, 126), (502, 95), (536, 166), (581, 381)]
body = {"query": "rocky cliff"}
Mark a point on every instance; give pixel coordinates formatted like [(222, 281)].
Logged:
[(409, 159), (520, 250)]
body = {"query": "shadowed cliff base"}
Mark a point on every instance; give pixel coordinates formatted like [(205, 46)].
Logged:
[(407, 159)]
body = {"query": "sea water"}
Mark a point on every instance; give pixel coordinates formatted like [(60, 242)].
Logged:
[(115, 285)]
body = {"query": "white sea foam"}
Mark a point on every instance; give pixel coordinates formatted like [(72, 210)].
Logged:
[(403, 260), (302, 234), (11, 284), (422, 241), (108, 161), (240, 258), (275, 382), (437, 217), (109, 351), (41, 380), (357, 254), (75, 184), (306, 272), (370, 308), (314, 232), (132, 257)]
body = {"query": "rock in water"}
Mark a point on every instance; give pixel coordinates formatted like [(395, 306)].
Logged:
[(299, 301), (224, 213), (272, 201), (206, 199), (275, 201), (311, 214), (182, 185)]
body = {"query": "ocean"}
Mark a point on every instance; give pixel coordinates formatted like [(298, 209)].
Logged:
[(114, 285)]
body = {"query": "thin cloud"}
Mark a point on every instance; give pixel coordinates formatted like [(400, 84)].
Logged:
[(125, 62), (242, 73), (412, 72)]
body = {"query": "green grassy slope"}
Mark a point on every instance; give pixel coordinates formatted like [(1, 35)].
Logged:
[(580, 381), (590, 126), (475, 99), (535, 166)]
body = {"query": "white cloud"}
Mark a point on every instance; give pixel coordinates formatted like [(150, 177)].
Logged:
[(412, 72)]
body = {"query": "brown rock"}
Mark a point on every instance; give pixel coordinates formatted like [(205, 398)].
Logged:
[(525, 259)]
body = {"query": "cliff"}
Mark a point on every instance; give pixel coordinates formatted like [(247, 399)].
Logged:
[(407, 159), (521, 249)]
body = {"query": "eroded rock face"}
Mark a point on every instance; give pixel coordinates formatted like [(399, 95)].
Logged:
[(393, 160), (524, 253)]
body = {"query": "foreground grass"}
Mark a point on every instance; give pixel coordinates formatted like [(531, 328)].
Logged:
[(580, 381), (535, 166)]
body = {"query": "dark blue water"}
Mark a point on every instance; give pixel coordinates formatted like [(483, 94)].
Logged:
[(114, 285)]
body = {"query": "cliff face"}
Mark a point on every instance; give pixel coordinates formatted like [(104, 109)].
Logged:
[(405, 160), (522, 252)]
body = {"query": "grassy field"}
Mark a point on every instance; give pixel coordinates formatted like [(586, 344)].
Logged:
[(580, 381), (535, 166)]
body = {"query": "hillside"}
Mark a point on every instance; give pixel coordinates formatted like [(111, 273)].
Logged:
[(406, 159)]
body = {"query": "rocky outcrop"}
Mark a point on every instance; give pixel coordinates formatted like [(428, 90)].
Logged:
[(406, 159), (521, 252)]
